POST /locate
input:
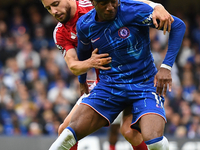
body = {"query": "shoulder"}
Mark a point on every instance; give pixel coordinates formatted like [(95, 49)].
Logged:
[(84, 6), (85, 20), (58, 29), (134, 10), (136, 6), (132, 2), (58, 26), (84, 3), (61, 34)]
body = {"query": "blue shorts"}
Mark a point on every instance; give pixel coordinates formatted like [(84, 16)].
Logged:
[(110, 99)]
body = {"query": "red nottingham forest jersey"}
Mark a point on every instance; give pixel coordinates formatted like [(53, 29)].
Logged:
[(64, 35)]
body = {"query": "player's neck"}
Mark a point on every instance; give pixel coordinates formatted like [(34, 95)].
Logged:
[(73, 10)]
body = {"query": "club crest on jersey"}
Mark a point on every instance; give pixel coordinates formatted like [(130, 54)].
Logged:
[(123, 32)]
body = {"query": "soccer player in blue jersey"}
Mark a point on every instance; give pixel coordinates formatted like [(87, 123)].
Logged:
[(122, 30)]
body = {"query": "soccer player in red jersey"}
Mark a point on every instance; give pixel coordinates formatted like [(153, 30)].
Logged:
[(67, 13)]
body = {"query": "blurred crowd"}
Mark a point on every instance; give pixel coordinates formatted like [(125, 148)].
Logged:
[(37, 90)]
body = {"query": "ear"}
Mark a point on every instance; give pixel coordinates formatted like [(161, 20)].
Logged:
[(92, 1)]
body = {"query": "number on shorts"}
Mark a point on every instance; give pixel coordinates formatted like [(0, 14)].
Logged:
[(158, 99)]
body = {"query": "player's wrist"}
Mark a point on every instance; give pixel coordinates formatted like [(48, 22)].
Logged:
[(166, 66), (153, 5), (90, 63)]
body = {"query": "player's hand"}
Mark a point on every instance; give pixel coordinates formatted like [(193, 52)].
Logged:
[(161, 14), (84, 88), (162, 80), (99, 60)]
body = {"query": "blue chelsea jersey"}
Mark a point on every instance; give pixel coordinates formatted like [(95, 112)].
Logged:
[(126, 39)]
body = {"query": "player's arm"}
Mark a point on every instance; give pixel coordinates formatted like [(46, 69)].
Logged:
[(83, 52), (83, 49), (70, 55), (161, 14), (80, 67), (163, 78)]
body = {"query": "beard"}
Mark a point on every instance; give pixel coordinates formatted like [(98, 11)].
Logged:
[(67, 16)]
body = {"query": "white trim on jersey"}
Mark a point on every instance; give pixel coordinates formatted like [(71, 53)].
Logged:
[(85, 43), (85, 3), (55, 30)]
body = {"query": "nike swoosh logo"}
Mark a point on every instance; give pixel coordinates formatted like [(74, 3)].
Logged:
[(95, 40)]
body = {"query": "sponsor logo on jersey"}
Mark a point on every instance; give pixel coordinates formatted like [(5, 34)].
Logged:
[(124, 32), (95, 40), (148, 20)]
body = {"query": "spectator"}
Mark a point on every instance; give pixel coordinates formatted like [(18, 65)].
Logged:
[(27, 53), (31, 67), (39, 39)]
